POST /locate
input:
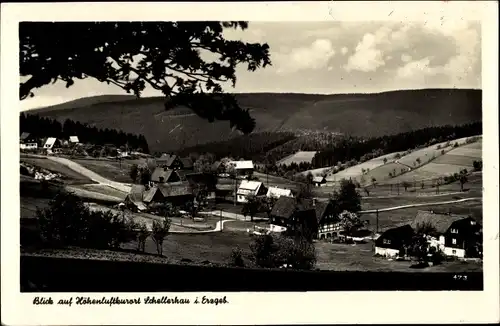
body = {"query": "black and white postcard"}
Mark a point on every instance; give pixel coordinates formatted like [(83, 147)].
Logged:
[(248, 163)]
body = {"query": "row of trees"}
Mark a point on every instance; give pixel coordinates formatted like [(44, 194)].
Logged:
[(68, 222), (44, 127)]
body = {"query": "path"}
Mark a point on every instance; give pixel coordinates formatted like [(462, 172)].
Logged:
[(421, 204), (233, 216), (90, 174)]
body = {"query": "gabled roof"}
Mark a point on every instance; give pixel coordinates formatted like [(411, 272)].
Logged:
[(136, 196), (166, 159), (278, 192), (441, 222), (250, 185), (175, 189), (187, 163), (240, 165), (319, 179), (161, 173), (149, 194), (73, 139), (404, 233), (286, 206), (201, 178), (321, 210), (50, 142), (24, 135)]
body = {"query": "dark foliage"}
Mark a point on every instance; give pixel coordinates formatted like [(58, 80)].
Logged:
[(40, 127), (68, 222)]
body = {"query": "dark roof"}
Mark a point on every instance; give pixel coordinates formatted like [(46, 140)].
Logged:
[(404, 232), (216, 165), (464, 222), (286, 206), (441, 222), (166, 159), (321, 210), (187, 163), (161, 172), (207, 179), (319, 179)]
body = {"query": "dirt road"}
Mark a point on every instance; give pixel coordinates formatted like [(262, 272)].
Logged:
[(90, 174)]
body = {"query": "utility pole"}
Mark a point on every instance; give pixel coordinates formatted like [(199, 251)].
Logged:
[(398, 188), (220, 221), (377, 219)]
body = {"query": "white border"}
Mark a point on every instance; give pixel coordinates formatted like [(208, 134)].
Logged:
[(253, 308)]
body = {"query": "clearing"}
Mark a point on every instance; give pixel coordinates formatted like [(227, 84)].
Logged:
[(69, 176), (297, 158), (111, 169)]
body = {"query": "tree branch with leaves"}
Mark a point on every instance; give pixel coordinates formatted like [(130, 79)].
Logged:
[(170, 57)]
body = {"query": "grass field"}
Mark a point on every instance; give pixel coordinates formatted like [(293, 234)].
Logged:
[(69, 176), (355, 172), (297, 158), (390, 219), (112, 170)]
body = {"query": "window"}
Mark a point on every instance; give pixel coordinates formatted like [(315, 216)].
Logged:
[(454, 241), (387, 241), (454, 252), (454, 231)]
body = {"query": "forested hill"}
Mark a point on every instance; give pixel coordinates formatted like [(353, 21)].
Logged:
[(364, 115)]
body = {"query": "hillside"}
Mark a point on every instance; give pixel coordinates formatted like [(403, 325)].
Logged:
[(353, 114)]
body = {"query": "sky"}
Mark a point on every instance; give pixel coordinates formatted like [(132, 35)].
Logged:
[(329, 57)]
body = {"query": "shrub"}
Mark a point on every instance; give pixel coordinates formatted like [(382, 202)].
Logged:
[(272, 251), (68, 222), (142, 235), (236, 258)]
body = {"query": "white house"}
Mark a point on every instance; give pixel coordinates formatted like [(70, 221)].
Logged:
[(74, 139), (278, 192), (49, 143), (249, 188), (28, 146)]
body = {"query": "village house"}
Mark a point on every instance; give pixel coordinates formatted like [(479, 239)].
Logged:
[(164, 175), (177, 194), (73, 140), (319, 181), (249, 188), (27, 142), (328, 223), (439, 223), (134, 199), (203, 181), (463, 239), (53, 145), (174, 162), (218, 168), (293, 214), (391, 242), (242, 169), (278, 192)]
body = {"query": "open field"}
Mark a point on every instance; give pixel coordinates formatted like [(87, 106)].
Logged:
[(382, 114), (355, 172), (390, 219), (70, 176), (428, 153), (297, 158), (111, 169), (381, 172)]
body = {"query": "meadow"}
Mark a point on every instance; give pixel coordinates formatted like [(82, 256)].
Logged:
[(69, 176), (114, 170), (297, 158)]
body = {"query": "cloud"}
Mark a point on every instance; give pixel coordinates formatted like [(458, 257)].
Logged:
[(315, 56), (344, 50), (416, 69), (406, 57), (367, 57)]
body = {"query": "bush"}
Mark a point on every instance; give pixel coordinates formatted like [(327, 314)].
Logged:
[(68, 222), (159, 232), (273, 251), (236, 258)]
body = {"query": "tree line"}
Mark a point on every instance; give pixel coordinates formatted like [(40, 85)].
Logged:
[(40, 127)]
